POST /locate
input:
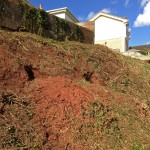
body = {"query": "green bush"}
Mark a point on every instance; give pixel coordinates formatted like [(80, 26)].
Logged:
[(144, 52)]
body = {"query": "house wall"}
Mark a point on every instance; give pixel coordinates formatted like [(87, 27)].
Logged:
[(111, 32), (118, 44), (68, 18), (64, 16), (60, 15)]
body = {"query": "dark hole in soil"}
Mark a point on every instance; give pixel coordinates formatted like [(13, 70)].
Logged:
[(46, 139), (2, 109), (149, 61), (28, 69), (1, 42), (87, 76)]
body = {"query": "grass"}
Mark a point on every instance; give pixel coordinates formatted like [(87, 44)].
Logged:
[(115, 119), (144, 52), (96, 126), (139, 147), (15, 122)]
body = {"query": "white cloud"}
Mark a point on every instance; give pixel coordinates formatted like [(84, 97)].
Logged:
[(144, 2), (129, 29), (86, 18), (90, 15), (106, 10), (144, 18), (127, 2), (81, 18), (147, 43)]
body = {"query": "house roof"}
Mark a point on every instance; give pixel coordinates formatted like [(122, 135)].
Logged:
[(63, 10), (122, 19)]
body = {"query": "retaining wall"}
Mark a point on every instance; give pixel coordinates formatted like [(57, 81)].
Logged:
[(19, 15)]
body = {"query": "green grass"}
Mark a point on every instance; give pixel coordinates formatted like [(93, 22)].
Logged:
[(145, 52), (139, 147)]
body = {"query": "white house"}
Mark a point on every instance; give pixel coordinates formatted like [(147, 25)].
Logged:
[(108, 29), (63, 13), (111, 31)]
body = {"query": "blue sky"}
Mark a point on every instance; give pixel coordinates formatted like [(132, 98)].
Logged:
[(137, 11)]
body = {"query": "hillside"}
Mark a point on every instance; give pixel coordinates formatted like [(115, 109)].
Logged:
[(71, 96), (142, 47)]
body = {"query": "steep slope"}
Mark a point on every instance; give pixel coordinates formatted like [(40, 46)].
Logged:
[(68, 95), (142, 47)]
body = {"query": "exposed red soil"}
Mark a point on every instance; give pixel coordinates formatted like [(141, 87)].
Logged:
[(9, 71), (59, 103), (56, 100), (61, 91)]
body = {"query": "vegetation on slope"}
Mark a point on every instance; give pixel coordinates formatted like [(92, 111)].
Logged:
[(145, 52), (77, 96)]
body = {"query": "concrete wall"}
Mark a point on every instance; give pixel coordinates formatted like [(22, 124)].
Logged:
[(112, 32), (63, 30), (18, 14), (10, 15)]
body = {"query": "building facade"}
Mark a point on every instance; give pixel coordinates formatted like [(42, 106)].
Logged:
[(63, 13), (111, 31)]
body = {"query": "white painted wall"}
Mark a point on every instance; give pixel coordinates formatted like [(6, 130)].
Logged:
[(64, 16), (68, 18), (107, 28), (60, 15), (111, 32)]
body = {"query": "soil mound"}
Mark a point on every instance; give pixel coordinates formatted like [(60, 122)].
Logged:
[(71, 96), (59, 103)]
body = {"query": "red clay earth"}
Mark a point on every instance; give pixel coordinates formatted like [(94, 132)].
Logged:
[(59, 100), (56, 100), (59, 105)]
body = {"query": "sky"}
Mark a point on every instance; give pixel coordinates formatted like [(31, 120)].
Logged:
[(137, 12)]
